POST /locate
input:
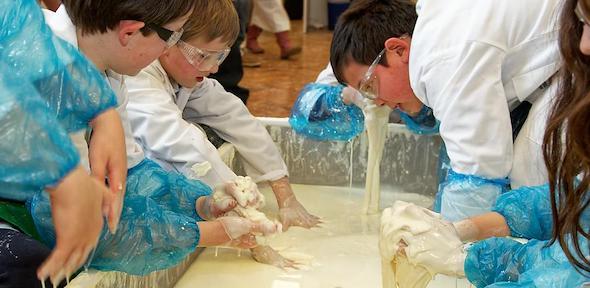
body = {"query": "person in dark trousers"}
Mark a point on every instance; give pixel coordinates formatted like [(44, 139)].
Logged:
[(231, 71)]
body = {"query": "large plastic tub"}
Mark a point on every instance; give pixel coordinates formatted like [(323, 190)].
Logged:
[(409, 165)]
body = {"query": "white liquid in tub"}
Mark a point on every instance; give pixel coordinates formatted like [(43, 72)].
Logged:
[(343, 253)]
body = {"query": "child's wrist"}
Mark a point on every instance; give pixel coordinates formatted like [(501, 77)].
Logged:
[(466, 230), (282, 190), (203, 208)]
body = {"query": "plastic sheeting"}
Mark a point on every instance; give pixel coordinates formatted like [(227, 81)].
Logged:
[(47, 89), (502, 262), (468, 195), (426, 124), (320, 114), (527, 211), (70, 84), (34, 151), (423, 124), (158, 226), (444, 166), (408, 160)]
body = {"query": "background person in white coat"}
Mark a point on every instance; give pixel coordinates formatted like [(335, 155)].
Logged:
[(473, 63), (172, 96)]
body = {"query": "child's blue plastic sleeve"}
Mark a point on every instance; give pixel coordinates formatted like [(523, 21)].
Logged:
[(502, 262), (463, 196), (527, 211), (320, 114), (71, 85), (158, 225), (35, 151)]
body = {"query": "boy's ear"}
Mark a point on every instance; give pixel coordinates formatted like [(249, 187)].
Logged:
[(165, 54), (126, 29), (400, 46)]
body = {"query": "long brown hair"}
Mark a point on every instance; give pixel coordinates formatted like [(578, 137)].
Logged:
[(566, 145)]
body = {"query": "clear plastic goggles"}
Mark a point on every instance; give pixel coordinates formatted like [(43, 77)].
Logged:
[(369, 86), (168, 36), (201, 59)]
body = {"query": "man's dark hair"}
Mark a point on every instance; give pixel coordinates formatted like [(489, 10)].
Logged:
[(362, 29), (99, 16)]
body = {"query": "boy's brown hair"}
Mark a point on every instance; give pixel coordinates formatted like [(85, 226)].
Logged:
[(99, 16), (212, 20)]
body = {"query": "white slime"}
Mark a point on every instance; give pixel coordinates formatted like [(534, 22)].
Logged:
[(343, 253), (376, 119)]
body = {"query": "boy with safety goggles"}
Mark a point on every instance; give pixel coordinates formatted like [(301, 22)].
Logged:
[(170, 101)]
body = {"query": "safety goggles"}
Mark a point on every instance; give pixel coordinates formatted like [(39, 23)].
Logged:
[(369, 87), (580, 14), (201, 59), (168, 36)]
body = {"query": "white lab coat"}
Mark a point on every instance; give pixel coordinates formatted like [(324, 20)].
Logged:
[(62, 26), (474, 61), (270, 15), (162, 116)]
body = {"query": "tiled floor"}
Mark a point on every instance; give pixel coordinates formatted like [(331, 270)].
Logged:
[(274, 86)]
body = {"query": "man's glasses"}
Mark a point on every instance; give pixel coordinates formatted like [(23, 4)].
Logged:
[(168, 36), (368, 87), (201, 59), (581, 16)]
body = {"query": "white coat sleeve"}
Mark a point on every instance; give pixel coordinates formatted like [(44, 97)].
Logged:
[(157, 123), (211, 105), (466, 94)]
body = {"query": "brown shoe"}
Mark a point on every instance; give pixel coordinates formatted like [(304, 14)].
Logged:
[(252, 39), (287, 53), (287, 49), (249, 60), (251, 63)]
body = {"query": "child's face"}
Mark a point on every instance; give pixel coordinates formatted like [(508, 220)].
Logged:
[(138, 51), (389, 85), (186, 74)]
